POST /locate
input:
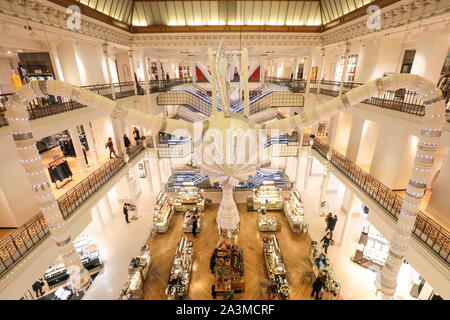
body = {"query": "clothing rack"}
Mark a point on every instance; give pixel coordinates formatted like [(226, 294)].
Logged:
[(58, 160)]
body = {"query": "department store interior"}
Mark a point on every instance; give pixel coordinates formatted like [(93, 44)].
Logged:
[(224, 150)]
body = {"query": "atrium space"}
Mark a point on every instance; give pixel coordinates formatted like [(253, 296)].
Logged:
[(225, 150)]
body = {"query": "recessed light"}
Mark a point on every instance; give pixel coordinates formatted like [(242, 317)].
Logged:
[(9, 52)]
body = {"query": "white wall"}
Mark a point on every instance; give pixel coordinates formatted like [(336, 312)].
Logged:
[(90, 61)]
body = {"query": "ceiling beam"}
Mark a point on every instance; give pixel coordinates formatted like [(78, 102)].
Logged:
[(358, 13), (94, 14), (224, 28)]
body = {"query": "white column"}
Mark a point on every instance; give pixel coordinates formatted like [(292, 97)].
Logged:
[(354, 139), (118, 136), (308, 166), (321, 67), (430, 55), (344, 68), (56, 62), (192, 72), (78, 149), (91, 143), (149, 177), (326, 178), (108, 69), (97, 217), (68, 62), (131, 187), (107, 204), (347, 205), (307, 72), (133, 70), (159, 70), (332, 130), (244, 68)]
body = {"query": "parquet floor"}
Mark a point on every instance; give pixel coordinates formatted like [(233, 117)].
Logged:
[(294, 248)]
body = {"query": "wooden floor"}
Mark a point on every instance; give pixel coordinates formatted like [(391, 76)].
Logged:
[(294, 248), (48, 157)]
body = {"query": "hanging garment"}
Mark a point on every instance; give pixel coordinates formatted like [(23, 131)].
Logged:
[(59, 172)]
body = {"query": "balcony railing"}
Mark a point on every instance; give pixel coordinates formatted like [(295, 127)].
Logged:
[(435, 237), (19, 243), (401, 100)]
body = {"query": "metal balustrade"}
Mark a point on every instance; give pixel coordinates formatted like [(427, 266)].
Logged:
[(433, 236), (22, 241), (401, 100)]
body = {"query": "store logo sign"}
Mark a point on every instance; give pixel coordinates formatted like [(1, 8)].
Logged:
[(374, 18), (74, 18)]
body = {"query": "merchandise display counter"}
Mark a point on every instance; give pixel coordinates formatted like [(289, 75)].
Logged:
[(228, 269), (267, 222), (187, 222), (57, 274), (180, 275), (372, 250), (276, 270), (322, 267), (137, 273), (163, 213), (189, 198), (267, 196), (293, 210)]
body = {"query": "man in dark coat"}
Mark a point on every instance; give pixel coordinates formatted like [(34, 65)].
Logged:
[(317, 287), (125, 212), (37, 288)]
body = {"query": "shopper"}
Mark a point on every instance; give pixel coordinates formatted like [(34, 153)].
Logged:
[(317, 287), (110, 145), (332, 224), (194, 225), (136, 134), (327, 241), (125, 212), (126, 141), (37, 287), (212, 261), (327, 219)]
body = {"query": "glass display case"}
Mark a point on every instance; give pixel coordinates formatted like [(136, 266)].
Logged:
[(372, 249), (180, 274), (57, 274), (189, 198), (267, 222), (275, 267), (164, 210), (227, 263), (321, 267), (267, 196), (137, 273), (293, 210)]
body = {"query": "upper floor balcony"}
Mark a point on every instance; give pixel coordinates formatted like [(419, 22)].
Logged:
[(51, 105), (401, 100)]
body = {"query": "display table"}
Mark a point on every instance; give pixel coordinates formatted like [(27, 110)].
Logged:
[(189, 198), (163, 213), (268, 222), (180, 274), (187, 222), (137, 273), (56, 274), (276, 270), (321, 267), (228, 269), (372, 250), (267, 196), (293, 210)]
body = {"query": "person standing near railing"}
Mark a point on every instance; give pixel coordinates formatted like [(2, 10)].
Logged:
[(126, 141), (136, 135), (110, 145)]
